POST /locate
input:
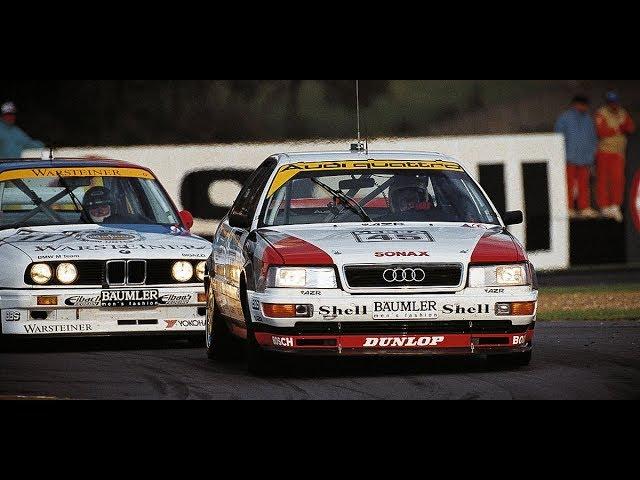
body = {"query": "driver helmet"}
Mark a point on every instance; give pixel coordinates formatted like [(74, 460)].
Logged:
[(408, 194), (98, 204)]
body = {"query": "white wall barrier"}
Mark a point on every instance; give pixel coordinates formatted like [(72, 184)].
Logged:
[(520, 172)]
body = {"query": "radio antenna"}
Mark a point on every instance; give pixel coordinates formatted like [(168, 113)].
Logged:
[(358, 147), (358, 107)]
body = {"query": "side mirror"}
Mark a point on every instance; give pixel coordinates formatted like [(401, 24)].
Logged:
[(237, 220), (513, 218), (187, 219)]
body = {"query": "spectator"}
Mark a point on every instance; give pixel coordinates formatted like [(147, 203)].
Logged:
[(581, 142), (13, 140), (614, 124)]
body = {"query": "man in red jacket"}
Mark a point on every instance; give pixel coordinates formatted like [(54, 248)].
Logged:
[(613, 124)]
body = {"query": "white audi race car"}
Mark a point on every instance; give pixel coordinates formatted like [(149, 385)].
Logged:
[(96, 248), (368, 253)]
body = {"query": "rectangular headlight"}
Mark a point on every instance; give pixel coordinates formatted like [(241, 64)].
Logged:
[(301, 277), (511, 275), (290, 278), (498, 276)]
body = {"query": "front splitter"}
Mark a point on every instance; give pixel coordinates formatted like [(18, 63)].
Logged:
[(432, 344)]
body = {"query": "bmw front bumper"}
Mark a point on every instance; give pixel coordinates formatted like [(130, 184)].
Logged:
[(75, 312)]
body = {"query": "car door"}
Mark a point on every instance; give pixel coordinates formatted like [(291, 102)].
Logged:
[(245, 207), (220, 264)]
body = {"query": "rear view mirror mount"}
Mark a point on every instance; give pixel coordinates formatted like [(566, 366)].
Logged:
[(356, 184)]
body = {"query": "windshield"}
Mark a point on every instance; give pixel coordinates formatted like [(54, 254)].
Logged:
[(70, 196), (386, 195)]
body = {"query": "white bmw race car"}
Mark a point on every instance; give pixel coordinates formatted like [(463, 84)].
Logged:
[(368, 253), (95, 247)]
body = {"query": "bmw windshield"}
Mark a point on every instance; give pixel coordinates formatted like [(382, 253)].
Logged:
[(82, 195), (435, 192)]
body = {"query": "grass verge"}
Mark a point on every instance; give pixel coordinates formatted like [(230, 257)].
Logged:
[(601, 302)]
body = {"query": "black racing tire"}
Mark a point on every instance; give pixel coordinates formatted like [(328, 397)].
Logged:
[(520, 359), (4, 341), (218, 338), (259, 362)]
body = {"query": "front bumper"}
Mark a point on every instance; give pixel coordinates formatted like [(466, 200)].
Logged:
[(399, 344), (343, 324), (78, 313)]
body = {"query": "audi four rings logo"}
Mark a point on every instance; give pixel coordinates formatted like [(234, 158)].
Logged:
[(400, 275)]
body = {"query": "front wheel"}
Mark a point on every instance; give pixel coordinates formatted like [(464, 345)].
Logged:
[(258, 360), (4, 342), (218, 339)]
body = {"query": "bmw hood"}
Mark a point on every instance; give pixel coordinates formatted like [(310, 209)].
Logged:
[(95, 242), (350, 244)]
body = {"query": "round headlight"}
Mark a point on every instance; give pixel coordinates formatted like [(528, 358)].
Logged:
[(41, 273), (182, 271), (66, 273), (200, 269)]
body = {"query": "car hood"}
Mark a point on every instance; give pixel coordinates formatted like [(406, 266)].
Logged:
[(95, 242), (349, 244), (13, 260)]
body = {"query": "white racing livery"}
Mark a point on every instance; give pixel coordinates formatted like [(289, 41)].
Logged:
[(360, 253), (95, 248)]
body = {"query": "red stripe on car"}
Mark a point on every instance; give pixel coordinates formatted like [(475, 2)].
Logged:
[(270, 257), (295, 251), (497, 248), (378, 342)]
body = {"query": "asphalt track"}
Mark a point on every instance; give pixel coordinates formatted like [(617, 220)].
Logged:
[(572, 360)]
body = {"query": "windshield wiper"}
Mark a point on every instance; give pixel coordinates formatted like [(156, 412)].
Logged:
[(76, 202), (351, 203)]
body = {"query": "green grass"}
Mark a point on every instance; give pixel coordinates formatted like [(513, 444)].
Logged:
[(599, 314), (591, 303), (632, 287)]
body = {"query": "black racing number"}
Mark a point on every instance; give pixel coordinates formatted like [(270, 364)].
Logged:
[(410, 236), (379, 238), (369, 236)]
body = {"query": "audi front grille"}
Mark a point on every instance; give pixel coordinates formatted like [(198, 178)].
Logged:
[(391, 276)]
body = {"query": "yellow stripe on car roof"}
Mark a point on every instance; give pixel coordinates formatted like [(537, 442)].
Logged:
[(76, 172), (287, 172)]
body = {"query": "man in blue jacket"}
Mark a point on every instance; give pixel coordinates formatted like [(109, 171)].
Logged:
[(13, 140), (581, 140)]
